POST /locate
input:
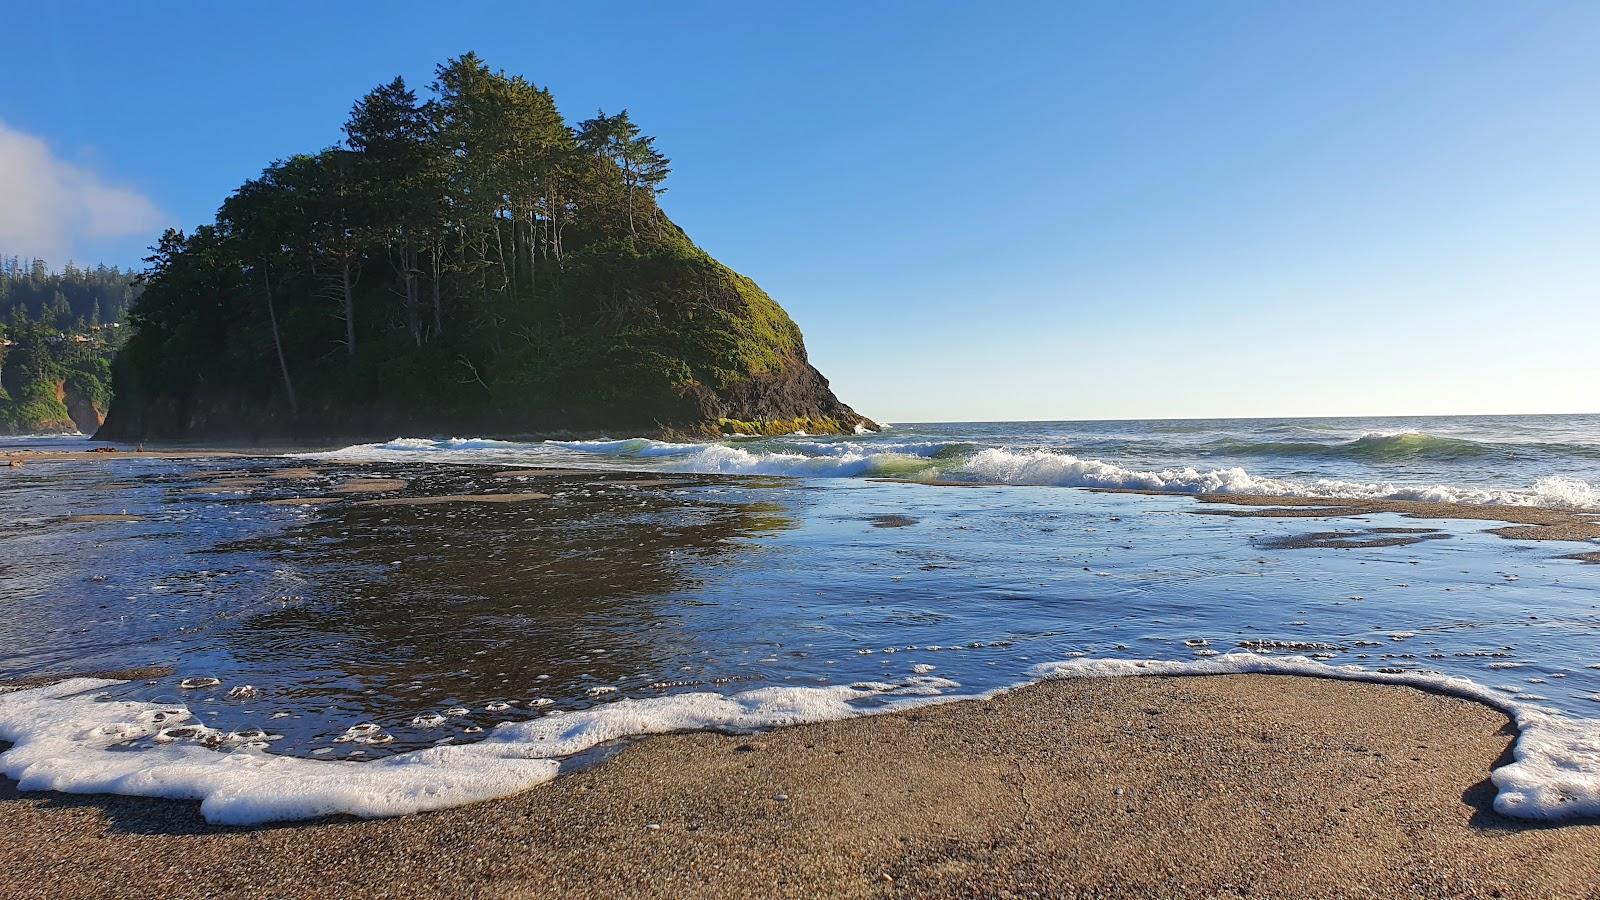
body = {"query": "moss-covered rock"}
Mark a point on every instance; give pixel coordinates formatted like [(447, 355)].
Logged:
[(39, 407), (672, 343)]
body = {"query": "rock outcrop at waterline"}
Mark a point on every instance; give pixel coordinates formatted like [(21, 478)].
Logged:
[(758, 380), (468, 265)]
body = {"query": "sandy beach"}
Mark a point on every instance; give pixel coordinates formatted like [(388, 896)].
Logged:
[(1145, 787)]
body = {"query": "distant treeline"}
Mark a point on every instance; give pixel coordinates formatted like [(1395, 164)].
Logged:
[(71, 300), (58, 332)]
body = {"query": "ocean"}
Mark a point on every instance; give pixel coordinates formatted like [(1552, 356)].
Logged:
[(1536, 460), (447, 652)]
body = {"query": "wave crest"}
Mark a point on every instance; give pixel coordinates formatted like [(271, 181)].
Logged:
[(1044, 467), (1372, 447), (956, 460)]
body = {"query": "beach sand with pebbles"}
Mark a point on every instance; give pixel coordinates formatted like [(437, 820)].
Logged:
[(1146, 787)]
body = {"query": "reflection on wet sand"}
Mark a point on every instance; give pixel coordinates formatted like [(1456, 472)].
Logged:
[(336, 626), (419, 607)]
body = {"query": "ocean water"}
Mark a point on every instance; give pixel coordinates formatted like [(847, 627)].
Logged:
[(377, 660), (1534, 460)]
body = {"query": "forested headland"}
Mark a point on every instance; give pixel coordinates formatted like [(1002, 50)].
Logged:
[(58, 332), (462, 262)]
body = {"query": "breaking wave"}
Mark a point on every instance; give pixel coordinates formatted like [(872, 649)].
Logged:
[(907, 458), (1383, 447), (1043, 467), (1372, 447)]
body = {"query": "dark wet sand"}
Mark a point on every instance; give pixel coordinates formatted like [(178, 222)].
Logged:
[(436, 499), (27, 456), (1144, 787), (1354, 540)]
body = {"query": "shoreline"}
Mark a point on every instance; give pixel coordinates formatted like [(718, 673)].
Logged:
[(1535, 523), (1111, 787), (1539, 523)]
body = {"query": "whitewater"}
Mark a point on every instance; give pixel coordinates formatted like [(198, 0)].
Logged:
[(1551, 461)]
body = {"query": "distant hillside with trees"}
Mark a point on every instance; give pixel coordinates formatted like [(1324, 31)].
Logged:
[(466, 262), (58, 333)]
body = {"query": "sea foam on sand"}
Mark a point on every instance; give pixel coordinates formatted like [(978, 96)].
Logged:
[(66, 739)]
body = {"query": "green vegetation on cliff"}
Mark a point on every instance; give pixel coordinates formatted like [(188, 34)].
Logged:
[(464, 263), (57, 335)]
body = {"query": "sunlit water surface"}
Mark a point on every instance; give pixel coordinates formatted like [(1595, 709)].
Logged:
[(436, 622)]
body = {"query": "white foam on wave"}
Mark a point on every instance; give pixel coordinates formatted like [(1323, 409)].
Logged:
[(64, 738), (635, 447), (718, 458), (1049, 468), (812, 459), (450, 450), (836, 458), (1555, 772)]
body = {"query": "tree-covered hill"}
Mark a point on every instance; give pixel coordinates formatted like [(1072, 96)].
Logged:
[(58, 331), (466, 263)]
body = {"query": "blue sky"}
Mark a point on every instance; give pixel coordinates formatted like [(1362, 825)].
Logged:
[(974, 211)]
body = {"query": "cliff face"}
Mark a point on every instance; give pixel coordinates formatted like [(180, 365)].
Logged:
[(83, 407), (58, 405), (36, 407), (689, 349)]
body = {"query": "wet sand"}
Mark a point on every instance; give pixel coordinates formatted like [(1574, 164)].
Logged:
[(435, 500), (1145, 787), (1536, 523), (1531, 523), (108, 454)]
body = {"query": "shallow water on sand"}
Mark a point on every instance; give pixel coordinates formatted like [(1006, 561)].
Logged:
[(436, 622)]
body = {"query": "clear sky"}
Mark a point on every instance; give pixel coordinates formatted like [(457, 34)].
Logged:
[(974, 210)]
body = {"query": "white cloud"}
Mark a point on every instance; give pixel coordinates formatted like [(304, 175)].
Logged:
[(49, 205)]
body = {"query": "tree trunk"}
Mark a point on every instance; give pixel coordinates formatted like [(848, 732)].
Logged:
[(533, 262), (483, 288), (349, 311), (556, 203), (438, 272), (508, 274), (413, 320), (277, 343), (630, 209)]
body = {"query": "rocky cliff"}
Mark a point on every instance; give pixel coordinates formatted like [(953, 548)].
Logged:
[(468, 264), (691, 350)]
